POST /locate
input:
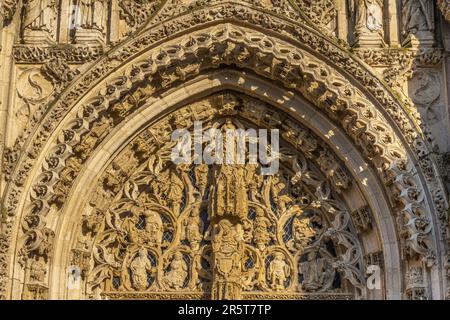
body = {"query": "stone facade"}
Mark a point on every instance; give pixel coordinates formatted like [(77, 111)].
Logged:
[(92, 207)]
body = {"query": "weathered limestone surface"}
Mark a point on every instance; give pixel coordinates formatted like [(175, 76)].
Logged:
[(92, 206)]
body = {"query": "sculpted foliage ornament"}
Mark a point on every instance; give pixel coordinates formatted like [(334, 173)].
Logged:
[(320, 12), (229, 243)]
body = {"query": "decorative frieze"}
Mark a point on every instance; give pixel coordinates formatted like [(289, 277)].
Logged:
[(73, 54)]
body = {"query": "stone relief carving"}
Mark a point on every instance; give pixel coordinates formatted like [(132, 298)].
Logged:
[(416, 247), (261, 228), (415, 288), (136, 12), (39, 21), (90, 21), (418, 23), (140, 267), (35, 86), (92, 14), (418, 15), (362, 219), (368, 22), (368, 16), (146, 244), (425, 92), (444, 6), (74, 54), (7, 11)]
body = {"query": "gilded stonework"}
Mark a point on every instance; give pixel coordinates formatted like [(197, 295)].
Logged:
[(93, 205)]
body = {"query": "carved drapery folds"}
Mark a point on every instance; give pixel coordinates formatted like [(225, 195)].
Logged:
[(200, 236), (368, 22)]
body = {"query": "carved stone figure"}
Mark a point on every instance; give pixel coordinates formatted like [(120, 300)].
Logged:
[(302, 232), (177, 274), (38, 270), (229, 194), (40, 15), (280, 193), (192, 230), (228, 252), (92, 14), (417, 15), (176, 194), (201, 178), (316, 272), (278, 272), (153, 228), (368, 15), (140, 267), (254, 180), (171, 190)]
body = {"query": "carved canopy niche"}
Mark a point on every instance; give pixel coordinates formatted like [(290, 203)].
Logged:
[(153, 229)]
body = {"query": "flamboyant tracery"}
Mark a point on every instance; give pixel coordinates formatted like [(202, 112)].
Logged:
[(155, 229)]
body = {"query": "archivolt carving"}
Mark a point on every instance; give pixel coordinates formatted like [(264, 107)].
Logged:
[(183, 236), (242, 12), (364, 132)]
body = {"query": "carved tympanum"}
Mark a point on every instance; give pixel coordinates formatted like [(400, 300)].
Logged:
[(223, 230)]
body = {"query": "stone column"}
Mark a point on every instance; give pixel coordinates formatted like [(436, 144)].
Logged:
[(342, 22), (393, 23)]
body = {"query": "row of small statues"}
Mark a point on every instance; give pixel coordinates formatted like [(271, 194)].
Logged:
[(417, 15), (257, 231), (316, 272)]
